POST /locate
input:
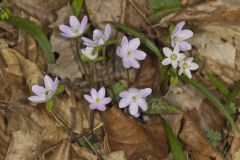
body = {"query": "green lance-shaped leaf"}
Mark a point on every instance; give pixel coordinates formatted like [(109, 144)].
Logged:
[(163, 4), (161, 13), (217, 83), (139, 35), (213, 99), (77, 6), (31, 28), (159, 106), (231, 98), (175, 145), (49, 105)]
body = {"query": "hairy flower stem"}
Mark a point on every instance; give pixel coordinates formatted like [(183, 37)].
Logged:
[(78, 41), (108, 75), (128, 77)]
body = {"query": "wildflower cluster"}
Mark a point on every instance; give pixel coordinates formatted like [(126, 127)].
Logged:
[(130, 55), (174, 57)]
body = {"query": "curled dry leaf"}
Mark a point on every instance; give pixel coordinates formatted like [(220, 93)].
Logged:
[(30, 70), (235, 146), (4, 137), (82, 153), (195, 139), (124, 133), (63, 152)]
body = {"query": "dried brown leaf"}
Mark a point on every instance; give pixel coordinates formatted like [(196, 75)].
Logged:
[(124, 133), (118, 155), (193, 136)]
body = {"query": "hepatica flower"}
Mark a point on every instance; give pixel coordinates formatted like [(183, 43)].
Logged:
[(134, 98), (186, 66), (99, 37), (97, 99), (129, 52), (44, 94), (179, 37), (88, 52), (75, 29), (173, 57)]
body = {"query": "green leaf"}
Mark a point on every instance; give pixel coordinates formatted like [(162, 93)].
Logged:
[(214, 137), (77, 6), (60, 89), (49, 105), (217, 83), (31, 28), (161, 13), (139, 35), (175, 145), (213, 99), (232, 96), (163, 4), (159, 106), (117, 88)]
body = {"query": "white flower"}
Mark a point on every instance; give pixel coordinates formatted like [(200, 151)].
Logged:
[(99, 38), (134, 98), (97, 100), (186, 66), (129, 52), (173, 57), (88, 52), (75, 29), (44, 94), (179, 37)]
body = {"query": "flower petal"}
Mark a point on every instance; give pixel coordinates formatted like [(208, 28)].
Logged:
[(177, 28), (37, 99), (174, 64), (88, 98), (101, 93), (88, 42), (188, 73), (101, 107), (83, 24), (55, 84), (181, 56), (133, 108), (124, 94), (180, 71), (94, 93), (176, 49), (124, 42), (74, 22), (38, 90), (142, 104), (107, 32), (134, 43), (124, 102), (134, 63), (193, 66), (93, 106), (120, 52), (106, 100), (48, 82), (167, 51), (166, 61), (139, 55), (184, 46), (144, 92), (185, 34), (126, 62)]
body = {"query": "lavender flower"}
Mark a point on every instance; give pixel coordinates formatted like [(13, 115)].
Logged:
[(99, 38), (88, 52), (134, 98), (75, 29), (97, 100), (186, 66), (173, 57), (129, 52), (178, 37), (44, 94)]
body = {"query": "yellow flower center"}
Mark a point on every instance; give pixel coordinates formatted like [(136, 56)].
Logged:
[(173, 57), (184, 66), (97, 101)]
